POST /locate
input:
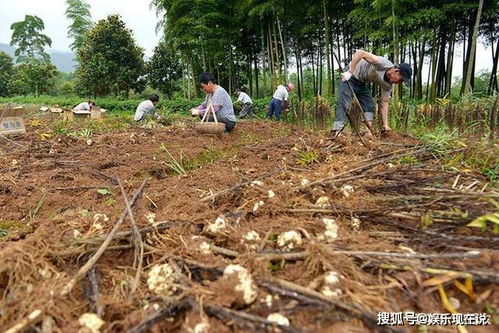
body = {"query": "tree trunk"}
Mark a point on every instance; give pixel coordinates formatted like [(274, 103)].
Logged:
[(284, 57), (313, 75), (255, 59), (441, 65), (429, 77), (433, 67), (263, 60), (419, 77), (204, 58), (396, 46), (413, 47), (301, 76), (493, 76), (450, 62), (319, 69), (195, 91), (271, 60), (277, 65), (231, 60), (471, 61), (328, 55), (333, 81), (249, 74), (297, 54)]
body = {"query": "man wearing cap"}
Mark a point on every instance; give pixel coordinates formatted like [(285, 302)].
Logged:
[(367, 68), (280, 99)]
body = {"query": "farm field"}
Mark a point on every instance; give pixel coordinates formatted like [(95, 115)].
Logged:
[(327, 233)]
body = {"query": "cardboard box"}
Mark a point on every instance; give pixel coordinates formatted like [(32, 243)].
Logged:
[(79, 115), (12, 121), (95, 112)]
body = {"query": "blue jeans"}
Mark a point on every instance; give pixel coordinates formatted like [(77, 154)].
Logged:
[(345, 100), (275, 108)]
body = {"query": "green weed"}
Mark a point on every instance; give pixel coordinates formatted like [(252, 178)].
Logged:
[(307, 158), (175, 165), (61, 127), (33, 212), (407, 160), (440, 140), (110, 202), (274, 266)]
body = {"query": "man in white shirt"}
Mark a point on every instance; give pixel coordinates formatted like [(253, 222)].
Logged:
[(280, 99), (247, 110), (84, 106), (147, 107)]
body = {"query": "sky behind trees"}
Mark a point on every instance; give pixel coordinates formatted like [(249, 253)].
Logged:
[(136, 13)]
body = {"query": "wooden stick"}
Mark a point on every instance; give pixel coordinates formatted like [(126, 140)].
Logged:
[(368, 318), (304, 254), (246, 320), (157, 226), (139, 244), (92, 261), (79, 252), (32, 318), (224, 251), (168, 310)]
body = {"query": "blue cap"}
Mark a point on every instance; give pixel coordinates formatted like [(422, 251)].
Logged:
[(406, 71)]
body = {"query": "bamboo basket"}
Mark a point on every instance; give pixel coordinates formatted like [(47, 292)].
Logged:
[(205, 127)]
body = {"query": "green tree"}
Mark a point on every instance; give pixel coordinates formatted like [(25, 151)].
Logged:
[(36, 76), (109, 60), (6, 74), (78, 13), (164, 69), (27, 36)]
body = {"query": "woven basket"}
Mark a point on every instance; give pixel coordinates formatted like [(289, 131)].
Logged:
[(209, 128), (205, 127)]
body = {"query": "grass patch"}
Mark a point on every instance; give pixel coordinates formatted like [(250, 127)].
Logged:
[(8, 227), (440, 140), (182, 165)]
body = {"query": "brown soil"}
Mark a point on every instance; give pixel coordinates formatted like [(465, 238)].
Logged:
[(49, 200)]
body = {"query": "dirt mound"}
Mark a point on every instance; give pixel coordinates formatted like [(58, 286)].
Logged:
[(268, 219)]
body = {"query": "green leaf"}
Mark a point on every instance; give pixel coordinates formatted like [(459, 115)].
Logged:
[(84, 212), (103, 191), (478, 222), (481, 222)]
